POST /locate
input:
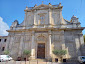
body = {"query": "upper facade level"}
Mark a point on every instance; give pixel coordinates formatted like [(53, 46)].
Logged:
[(45, 16)]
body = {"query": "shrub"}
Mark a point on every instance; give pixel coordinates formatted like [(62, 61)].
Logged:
[(6, 52), (60, 52), (26, 52)]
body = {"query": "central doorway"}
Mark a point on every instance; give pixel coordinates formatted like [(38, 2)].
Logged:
[(41, 51)]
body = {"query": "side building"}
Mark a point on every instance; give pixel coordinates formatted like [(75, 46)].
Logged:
[(3, 40)]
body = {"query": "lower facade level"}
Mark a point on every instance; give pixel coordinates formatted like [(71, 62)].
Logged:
[(42, 43)]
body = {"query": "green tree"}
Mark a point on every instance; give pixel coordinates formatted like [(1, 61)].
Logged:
[(84, 37), (26, 53), (60, 53), (6, 52)]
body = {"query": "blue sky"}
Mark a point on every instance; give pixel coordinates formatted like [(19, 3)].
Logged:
[(11, 10)]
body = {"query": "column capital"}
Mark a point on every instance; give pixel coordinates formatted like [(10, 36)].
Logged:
[(49, 32), (33, 33), (22, 33), (49, 10)]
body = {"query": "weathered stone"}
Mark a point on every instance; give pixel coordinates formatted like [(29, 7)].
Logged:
[(45, 24)]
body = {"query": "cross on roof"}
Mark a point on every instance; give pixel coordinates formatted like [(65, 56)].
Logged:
[(42, 2)]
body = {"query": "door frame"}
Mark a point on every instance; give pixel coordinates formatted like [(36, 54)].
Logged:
[(44, 50), (37, 49)]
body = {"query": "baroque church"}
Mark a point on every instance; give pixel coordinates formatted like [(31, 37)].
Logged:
[(43, 30)]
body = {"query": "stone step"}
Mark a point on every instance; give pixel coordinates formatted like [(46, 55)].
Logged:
[(38, 60)]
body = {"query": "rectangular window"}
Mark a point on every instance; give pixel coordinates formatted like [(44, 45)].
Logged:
[(64, 60), (3, 48), (5, 40), (56, 59), (0, 40)]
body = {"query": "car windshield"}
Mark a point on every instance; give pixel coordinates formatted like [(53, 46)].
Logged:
[(83, 57), (8, 56)]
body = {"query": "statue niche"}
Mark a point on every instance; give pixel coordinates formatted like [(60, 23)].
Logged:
[(41, 18)]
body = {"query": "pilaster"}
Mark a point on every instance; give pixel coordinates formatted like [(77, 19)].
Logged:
[(33, 46), (25, 20), (63, 40), (82, 47), (49, 45), (34, 17), (77, 45), (7, 43), (11, 42), (21, 45), (50, 16), (63, 43)]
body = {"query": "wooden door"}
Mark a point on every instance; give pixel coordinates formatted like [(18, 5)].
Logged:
[(41, 50)]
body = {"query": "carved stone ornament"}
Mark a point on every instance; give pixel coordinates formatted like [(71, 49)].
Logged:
[(41, 37)]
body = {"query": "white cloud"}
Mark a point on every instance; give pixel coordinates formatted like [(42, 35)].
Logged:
[(3, 27)]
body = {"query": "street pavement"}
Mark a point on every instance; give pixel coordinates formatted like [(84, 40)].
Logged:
[(27, 62)]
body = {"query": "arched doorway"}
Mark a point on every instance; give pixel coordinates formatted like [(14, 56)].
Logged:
[(41, 46)]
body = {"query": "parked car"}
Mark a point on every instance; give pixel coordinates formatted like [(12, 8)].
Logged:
[(5, 58), (81, 59)]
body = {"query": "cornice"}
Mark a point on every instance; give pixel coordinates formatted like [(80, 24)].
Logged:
[(44, 8), (45, 29)]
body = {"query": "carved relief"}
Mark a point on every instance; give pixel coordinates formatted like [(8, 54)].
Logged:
[(41, 37)]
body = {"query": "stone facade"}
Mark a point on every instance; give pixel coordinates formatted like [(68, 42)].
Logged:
[(45, 24)]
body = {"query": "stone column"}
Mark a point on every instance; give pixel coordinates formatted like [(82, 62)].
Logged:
[(33, 46), (49, 45), (21, 46)]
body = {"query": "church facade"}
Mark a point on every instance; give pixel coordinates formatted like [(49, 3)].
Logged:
[(43, 30)]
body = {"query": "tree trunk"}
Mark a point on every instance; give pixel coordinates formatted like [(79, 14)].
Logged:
[(60, 59)]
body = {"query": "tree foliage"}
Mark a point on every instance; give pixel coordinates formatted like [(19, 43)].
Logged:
[(60, 52), (26, 52), (6, 52), (84, 37)]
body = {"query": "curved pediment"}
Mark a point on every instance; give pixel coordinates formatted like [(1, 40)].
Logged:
[(42, 6)]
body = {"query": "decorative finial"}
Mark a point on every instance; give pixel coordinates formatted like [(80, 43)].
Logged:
[(59, 4), (42, 2), (35, 5), (26, 8), (49, 3)]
